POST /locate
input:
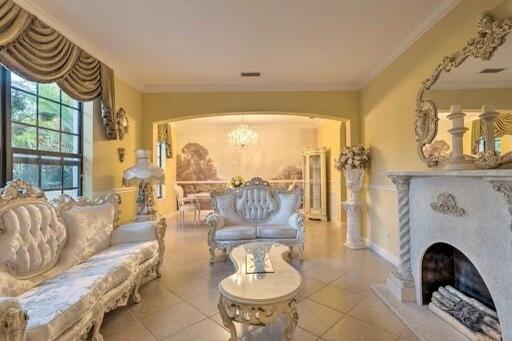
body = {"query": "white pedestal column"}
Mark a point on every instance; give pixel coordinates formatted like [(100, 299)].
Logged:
[(354, 179)]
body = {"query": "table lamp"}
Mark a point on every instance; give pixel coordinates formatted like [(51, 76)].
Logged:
[(145, 175)]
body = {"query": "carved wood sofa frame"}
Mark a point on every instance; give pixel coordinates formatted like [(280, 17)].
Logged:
[(13, 319)]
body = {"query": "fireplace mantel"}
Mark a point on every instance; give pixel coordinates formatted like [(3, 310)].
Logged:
[(470, 210)]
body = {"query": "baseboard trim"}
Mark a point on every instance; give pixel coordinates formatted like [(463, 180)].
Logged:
[(381, 252)]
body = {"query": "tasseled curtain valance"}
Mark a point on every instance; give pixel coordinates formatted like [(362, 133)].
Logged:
[(502, 126), (38, 53), (164, 136)]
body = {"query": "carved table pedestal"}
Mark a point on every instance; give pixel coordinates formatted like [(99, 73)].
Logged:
[(258, 299)]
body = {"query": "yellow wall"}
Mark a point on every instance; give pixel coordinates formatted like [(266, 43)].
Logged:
[(387, 114), (175, 106), (107, 171), (332, 136)]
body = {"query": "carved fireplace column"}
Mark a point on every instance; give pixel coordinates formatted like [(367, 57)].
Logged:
[(401, 281)]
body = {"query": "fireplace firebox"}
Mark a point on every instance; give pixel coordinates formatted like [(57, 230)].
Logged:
[(444, 265)]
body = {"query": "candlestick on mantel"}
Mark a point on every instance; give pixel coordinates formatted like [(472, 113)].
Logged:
[(489, 115), (457, 160), (457, 117)]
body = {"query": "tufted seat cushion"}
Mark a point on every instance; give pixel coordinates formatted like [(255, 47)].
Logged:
[(236, 232), (61, 301), (276, 231), (141, 251)]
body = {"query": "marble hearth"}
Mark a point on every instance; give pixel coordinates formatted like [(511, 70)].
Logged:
[(470, 211)]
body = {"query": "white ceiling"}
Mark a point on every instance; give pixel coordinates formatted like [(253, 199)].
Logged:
[(203, 45), (254, 119)]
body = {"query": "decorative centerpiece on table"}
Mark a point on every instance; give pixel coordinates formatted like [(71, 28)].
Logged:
[(353, 161), (236, 182)]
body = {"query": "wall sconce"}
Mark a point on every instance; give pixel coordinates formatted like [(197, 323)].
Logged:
[(121, 153)]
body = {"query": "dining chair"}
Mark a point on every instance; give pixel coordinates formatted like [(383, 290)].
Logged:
[(186, 204)]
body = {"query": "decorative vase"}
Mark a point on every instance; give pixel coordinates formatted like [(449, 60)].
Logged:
[(354, 180)]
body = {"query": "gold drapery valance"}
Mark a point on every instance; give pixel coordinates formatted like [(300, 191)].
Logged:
[(502, 126), (164, 136), (39, 53)]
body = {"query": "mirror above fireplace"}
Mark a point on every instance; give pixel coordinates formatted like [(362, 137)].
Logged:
[(475, 80)]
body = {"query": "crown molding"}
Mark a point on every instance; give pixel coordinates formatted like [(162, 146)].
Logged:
[(32, 7), (426, 25), (249, 88)]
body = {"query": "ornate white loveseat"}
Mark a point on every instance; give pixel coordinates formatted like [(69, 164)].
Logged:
[(63, 268), (255, 212)]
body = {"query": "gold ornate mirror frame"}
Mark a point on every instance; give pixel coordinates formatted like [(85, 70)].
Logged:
[(491, 35)]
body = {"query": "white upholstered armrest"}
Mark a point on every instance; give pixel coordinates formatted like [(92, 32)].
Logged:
[(133, 232), (296, 220), (215, 220), (13, 318)]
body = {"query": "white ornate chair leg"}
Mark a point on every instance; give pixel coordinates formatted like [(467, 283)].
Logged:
[(226, 320), (211, 250)]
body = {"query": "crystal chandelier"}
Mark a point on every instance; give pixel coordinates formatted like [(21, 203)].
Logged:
[(242, 136)]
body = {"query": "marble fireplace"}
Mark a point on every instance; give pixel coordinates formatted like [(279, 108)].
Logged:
[(454, 229)]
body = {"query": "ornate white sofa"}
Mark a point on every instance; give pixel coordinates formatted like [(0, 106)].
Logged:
[(255, 212), (63, 268)]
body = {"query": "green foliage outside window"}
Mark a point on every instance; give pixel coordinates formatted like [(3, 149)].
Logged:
[(45, 119)]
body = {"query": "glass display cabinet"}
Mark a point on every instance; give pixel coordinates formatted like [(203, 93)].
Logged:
[(315, 183)]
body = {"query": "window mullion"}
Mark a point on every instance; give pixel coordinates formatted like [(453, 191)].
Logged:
[(55, 158)]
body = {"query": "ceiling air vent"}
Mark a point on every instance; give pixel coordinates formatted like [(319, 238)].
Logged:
[(250, 74), (492, 70)]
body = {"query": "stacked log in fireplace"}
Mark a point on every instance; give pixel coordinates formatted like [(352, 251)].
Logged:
[(469, 316)]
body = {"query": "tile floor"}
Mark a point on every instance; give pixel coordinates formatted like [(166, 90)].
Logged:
[(336, 302)]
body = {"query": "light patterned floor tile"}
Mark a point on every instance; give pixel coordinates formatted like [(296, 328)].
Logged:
[(206, 302), (322, 273), (176, 306), (155, 297), (375, 312), (121, 323), (337, 298), (352, 329), (189, 288), (408, 335), (203, 330), (315, 317), (359, 282), (171, 320), (310, 286)]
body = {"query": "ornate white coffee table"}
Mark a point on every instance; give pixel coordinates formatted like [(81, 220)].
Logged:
[(259, 298)]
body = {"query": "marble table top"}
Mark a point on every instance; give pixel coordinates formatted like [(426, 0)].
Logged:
[(281, 285)]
